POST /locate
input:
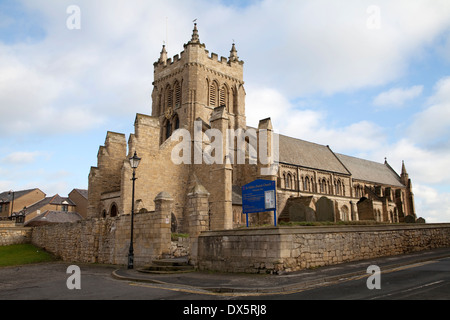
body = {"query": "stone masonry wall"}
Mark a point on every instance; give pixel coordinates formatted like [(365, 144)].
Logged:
[(106, 240), (14, 235), (286, 249)]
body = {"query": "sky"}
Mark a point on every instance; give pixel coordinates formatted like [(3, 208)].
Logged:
[(370, 79)]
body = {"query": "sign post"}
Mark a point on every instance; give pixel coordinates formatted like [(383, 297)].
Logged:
[(259, 196)]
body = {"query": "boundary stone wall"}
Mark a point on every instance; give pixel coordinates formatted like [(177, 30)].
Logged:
[(14, 235), (106, 240), (287, 249)]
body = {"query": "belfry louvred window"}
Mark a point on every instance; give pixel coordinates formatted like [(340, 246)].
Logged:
[(223, 96), (213, 94), (177, 93)]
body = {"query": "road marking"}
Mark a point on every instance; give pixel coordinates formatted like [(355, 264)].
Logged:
[(409, 290), (195, 290)]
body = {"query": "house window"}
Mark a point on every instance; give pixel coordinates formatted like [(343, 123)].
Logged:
[(65, 207)]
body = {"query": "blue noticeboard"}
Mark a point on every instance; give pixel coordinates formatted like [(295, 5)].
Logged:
[(259, 196)]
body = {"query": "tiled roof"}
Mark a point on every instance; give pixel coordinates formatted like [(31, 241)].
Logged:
[(310, 155), (38, 204), (82, 192), (55, 200), (54, 217), (370, 171), (7, 196)]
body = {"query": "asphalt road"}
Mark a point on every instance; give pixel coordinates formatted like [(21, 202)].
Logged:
[(428, 280)]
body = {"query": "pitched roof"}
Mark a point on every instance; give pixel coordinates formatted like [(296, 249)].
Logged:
[(370, 171), (82, 192), (310, 155), (7, 196), (55, 200), (54, 217)]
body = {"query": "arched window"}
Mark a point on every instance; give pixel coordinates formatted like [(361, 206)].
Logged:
[(176, 122), (307, 184), (213, 94), (323, 186), (223, 97), (169, 97), (168, 129), (177, 94), (338, 187), (160, 104), (235, 102), (113, 211), (288, 181), (345, 213)]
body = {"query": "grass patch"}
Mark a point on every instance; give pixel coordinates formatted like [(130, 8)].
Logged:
[(18, 254), (175, 236)]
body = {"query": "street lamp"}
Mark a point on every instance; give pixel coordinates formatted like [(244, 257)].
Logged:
[(134, 162)]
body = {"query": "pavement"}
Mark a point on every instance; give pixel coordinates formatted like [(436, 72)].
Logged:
[(260, 284)]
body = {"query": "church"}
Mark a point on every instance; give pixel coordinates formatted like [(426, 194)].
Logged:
[(198, 91)]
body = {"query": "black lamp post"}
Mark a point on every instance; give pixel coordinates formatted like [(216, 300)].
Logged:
[(134, 162)]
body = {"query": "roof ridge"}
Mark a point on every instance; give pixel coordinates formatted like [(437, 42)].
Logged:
[(396, 174), (339, 160)]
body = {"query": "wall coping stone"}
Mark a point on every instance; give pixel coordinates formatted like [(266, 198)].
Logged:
[(322, 229)]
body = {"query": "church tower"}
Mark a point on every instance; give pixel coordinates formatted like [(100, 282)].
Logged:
[(189, 86)]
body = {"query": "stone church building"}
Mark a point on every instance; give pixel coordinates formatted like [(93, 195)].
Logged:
[(196, 89)]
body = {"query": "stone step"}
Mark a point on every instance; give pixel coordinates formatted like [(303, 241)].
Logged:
[(182, 261), (168, 266)]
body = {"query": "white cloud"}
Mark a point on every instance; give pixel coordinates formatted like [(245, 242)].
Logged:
[(432, 205), (105, 69), (432, 125), (20, 158), (310, 124), (397, 97), (329, 45), (71, 81)]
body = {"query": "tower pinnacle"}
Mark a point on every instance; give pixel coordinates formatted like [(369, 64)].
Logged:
[(404, 168), (163, 56), (233, 54), (195, 38)]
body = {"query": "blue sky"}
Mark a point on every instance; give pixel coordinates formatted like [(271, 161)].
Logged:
[(369, 80)]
